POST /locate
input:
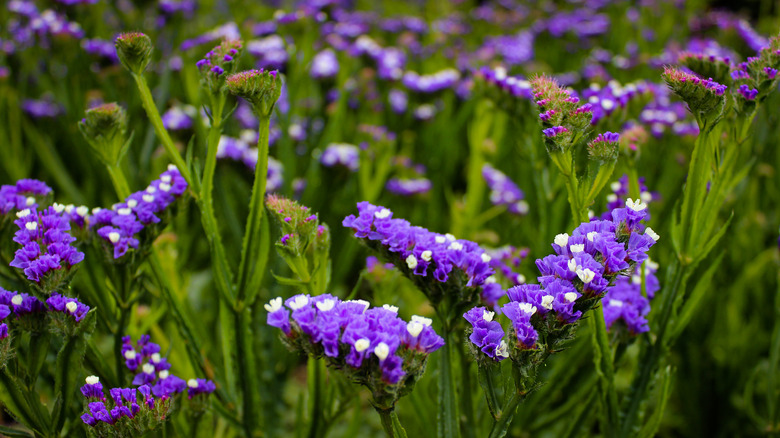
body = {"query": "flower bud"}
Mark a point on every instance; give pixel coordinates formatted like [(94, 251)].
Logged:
[(707, 66), (604, 147), (134, 50), (704, 96), (261, 88), (104, 127), (219, 63)]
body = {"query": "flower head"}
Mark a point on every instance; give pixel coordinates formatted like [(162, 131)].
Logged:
[(261, 88), (134, 50)]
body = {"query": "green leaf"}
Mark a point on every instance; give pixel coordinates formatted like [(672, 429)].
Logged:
[(489, 375), (289, 281), (14, 433), (16, 403), (651, 427), (703, 285), (69, 369)]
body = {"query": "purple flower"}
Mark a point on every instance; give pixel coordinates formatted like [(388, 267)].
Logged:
[(199, 386), (486, 334), (324, 65), (93, 388), (747, 92), (504, 191), (408, 186), (554, 131), (341, 154), (68, 306)]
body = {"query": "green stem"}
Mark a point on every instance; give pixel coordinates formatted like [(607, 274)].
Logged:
[(316, 403), (605, 369), (466, 400), (654, 352), (501, 426), (448, 400), (162, 134), (246, 371), (249, 278), (390, 423), (121, 186)]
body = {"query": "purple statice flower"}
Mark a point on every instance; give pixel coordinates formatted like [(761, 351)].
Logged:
[(554, 131), (603, 101), (121, 225), (747, 92), (390, 63), (505, 261), (619, 195), (487, 334), (584, 265), (93, 389), (4, 312), (199, 386), (515, 86), (42, 108), (179, 117), (270, 52), (739, 74), (341, 154), (408, 186), (144, 355), (426, 256), (168, 385), (227, 31), (355, 338), (68, 306), (23, 195), (515, 49), (398, 100), (503, 191), (607, 137), (425, 111), (625, 302), (770, 72), (45, 246), (324, 65), (21, 304), (102, 48), (431, 83)]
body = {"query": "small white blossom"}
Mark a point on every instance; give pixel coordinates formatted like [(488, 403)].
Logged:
[(326, 304), (577, 248), (615, 186), (72, 306), (82, 210), (362, 345), (31, 226), (653, 235), (422, 320), (192, 383), (616, 303), (426, 255), (456, 246), (393, 309), (528, 308), (411, 261), (299, 302), (487, 315), (130, 354), (162, 374), (113, 237), (612, 197), (440, 239), (382, 214), (485, 258), (23, 213), (637, 205), (586, 275), (148, 368), (592, 235), (570, 296), (92, 380), (547, 302), (382, 350), (273, 305), (562, 239), (17, 300), (414, 328), (502, 350)]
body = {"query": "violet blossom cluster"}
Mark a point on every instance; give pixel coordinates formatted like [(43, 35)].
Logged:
[(371, 345), (571, 282), (503, 191), (430, 83), (612, 97), (239, 149), (506, 261), (443, 267), (47, 255), (128, 411), (126, 225), (341, 154), (26, 193)]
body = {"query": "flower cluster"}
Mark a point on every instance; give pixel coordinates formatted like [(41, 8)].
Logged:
[(373, 346), (68, 306), (572, 281), (563, 118), (503, 191), (341, 154), (26, 193), (260, 88), (604, 147), (46, 256), (219, 61), (129, 412), (325, 65), (132, 224), (179, 117), (703, 96), (505, 261), (442, 266), (619, 196), (431, 83), (605, 100)]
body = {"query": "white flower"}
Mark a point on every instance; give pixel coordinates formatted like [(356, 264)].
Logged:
[(58, 208), (490, 280), (273, 305), (414, 328), (653, 235), (299, 302), (577, 248), (113, 237), (586, 275), (411, 261), (130, 354), (92, 380), (572, 265), (547, 302), (636, 279), (637, 205), (485, 258), (132, 203), (17, 300), (592, 235), (192, 383), (646, 196), (528, 308), (502, 350), (615, 186), (82, 210), (612, 197), (562, 239), (422, 320), (520, 278), (156, 358), (148, 368), (382, 350), (148, 198), (165, 187), (570, 296), (23, 213), (30, 201), (124, 211), (363, 303), (163, 374), (172, 167), (382, 214), (326, 304), (166, 179), (449, 237), (616, 303), (31, 226), (362, 345), (488, 315), (72, 306), (426, 255), (440, 239), (456, 246), (393, 309)]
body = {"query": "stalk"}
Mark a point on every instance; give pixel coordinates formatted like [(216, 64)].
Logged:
[(390, 423), (448, 400), (501, 426)]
